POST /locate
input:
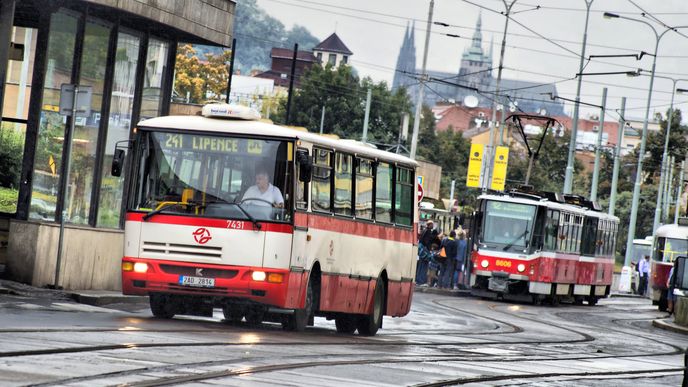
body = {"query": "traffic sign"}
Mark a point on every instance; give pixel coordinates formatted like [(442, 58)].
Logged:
[(420, 192)]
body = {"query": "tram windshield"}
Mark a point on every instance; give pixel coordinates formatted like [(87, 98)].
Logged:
[(670, 248), (213, 176), (509, 224)]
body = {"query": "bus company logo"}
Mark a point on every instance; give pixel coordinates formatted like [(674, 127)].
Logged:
[(202, 235)]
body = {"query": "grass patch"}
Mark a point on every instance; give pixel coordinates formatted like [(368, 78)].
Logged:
[(8, 200)]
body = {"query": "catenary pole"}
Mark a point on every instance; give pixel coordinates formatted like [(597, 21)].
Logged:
[(598, 146), (291, 83), (367, 115), (678, 194), (231, 70), (617, 160), (568, 178), (421, 85)]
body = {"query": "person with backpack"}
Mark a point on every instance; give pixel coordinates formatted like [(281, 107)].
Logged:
[(425, 241), (450, 246)]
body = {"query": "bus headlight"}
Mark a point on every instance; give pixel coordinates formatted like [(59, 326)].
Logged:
[(258, 275), (521, 268), (140, 267), (484, 263)]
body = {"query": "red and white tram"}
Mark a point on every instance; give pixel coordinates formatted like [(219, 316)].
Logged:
[(670, 241), (535, 245), (340, 246)]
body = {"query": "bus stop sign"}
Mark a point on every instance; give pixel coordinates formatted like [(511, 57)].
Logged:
[(420, 192)]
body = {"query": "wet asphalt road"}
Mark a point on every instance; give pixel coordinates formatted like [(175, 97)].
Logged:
[(445, 340)]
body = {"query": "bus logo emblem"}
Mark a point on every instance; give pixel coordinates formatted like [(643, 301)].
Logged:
[(202, 235)]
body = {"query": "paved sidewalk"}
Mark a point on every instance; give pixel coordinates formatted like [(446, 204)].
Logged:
[(90, 297)]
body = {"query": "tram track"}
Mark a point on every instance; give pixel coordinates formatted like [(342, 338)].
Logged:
[(465, 356)]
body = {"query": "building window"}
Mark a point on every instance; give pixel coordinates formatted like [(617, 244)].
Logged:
[(82, 164), (156, 59), (403, 197), (383, 193), (345, 59), (322, 181), (364, 189), (48, 157), (332, 59), (342, 184), (15, 106), (319, 56), (119, 124)]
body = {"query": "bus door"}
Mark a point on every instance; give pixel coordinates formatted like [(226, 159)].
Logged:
[(299, 265)]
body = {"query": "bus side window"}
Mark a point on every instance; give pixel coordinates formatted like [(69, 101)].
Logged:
[(322, 181), (383, 193), (403, 202)]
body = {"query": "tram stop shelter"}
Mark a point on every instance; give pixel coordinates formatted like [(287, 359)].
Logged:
[(125, 51)]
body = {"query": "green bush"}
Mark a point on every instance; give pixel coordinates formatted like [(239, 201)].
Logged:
[(11, 151), (8, 200)]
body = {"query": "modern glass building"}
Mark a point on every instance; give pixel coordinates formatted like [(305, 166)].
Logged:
[(124, 51)]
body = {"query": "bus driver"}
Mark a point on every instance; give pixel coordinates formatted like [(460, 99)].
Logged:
[(263, 190)]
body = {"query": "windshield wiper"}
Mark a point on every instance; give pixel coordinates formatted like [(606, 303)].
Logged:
[(251, 218), (159, 210), (508, 246)]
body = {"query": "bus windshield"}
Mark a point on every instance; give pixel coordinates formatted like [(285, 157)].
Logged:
[(670, 248), (213, 176), (508, 224)]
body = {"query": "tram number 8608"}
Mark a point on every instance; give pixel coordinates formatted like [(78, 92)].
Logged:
[(503, 263)]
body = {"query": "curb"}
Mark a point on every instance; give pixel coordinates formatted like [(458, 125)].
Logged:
[(626, 295), (669, 326), (444, 292), (100, 300)]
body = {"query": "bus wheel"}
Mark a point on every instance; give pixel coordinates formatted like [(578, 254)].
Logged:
[(592, 300), (369, 324), (299, 320), (345, 324), (233, 314), (161, 306), (254, 316)]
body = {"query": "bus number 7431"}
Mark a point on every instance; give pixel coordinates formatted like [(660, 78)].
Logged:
[(235, 224)]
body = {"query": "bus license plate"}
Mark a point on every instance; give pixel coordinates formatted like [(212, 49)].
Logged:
[(197, 281)]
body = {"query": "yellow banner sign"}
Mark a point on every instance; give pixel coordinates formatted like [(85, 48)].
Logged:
[(475, 166), (501, 160)]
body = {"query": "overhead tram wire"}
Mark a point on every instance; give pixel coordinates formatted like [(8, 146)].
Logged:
[(537, 35), (654, 18)]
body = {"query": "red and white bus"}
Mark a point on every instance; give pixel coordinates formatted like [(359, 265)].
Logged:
[(341, 245), (670, 242), (537, 245)]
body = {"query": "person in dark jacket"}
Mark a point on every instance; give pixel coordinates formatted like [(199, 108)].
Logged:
[(451, 250), (462, 247), (425, 241)]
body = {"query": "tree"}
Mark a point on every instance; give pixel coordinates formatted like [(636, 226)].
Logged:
[(199, 78), (655, 144), (257, 32)]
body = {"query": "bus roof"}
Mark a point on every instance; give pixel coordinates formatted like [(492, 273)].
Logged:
[(672, 231), (263, 129)]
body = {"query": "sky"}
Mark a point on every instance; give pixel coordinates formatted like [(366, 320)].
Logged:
[(374, 29)]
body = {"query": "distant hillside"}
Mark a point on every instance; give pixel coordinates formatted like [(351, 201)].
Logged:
[(257, 32)]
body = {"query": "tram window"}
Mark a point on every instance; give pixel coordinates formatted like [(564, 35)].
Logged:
[(342, 184), (403, 201), (383, 193), (563, 231), (322, 181), (551, 230), (364, 189)]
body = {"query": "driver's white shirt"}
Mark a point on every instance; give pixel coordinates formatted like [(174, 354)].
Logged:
[(272, 195)]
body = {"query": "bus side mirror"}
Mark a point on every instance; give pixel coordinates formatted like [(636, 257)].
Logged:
[(117, 162), (305, 165)]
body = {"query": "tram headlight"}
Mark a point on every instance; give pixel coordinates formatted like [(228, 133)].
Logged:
[(258, 275), (140, 267), (521, 268), (484, 263)]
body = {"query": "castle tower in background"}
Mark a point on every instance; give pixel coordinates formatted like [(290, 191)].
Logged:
[(476, 67), (406, 61)]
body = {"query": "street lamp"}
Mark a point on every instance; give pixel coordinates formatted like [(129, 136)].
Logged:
[(643, 138), (568, 179)]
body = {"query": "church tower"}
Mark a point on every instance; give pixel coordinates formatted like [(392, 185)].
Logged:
[(476, 66), (406, 61)]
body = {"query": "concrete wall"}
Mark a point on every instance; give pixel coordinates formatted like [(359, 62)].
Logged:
[(90, 260), (681, 311), (209, 19)]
